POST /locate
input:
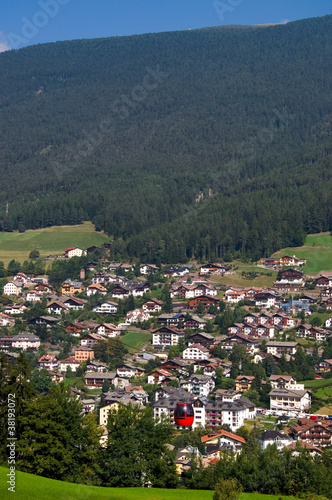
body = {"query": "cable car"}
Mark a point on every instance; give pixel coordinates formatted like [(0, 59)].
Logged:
[(184, 414)]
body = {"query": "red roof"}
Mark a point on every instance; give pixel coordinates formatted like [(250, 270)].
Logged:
[(222, 433)]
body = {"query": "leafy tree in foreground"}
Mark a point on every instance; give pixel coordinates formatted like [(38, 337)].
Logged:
[(227, 489), (137, 451), (57, 441)]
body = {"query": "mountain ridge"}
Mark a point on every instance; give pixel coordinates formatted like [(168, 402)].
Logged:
[(234, 106)]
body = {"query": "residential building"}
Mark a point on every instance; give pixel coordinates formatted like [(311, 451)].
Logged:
[(199, 385), (69, 362), (57, 307), (83, 353), (196, 351), (70, 287), (48, 362), (243, 383), (74, 252), (96, 288), (12, 288), (158, 375), (266, 299), (221, 438), (95, 380), (34, 296), (276, 347), (274, 438), (129, 371), (167, 336), (315, 432), (290, 400), (201, 338), (148, 269), (25, 341), (206, 300), (152, 305), (108, 330), (106, 308)]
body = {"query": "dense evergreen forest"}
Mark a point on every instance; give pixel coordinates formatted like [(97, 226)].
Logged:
[(210, 143)]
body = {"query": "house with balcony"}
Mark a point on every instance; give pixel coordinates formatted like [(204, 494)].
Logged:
[(290, 400), (12, 288), (158, 375), (26, 341), (70, 287), (107, 307), (196, 351), (315, 432), (129, 371), (223, 439), (231, 412), (167, 336), (152, 305), (48, 362), (199, 385), (278, 348), (269, 437)]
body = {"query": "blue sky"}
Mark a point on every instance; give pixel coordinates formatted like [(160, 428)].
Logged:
[(29, 22)]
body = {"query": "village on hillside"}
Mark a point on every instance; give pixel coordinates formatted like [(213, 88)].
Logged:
[(120, 333)]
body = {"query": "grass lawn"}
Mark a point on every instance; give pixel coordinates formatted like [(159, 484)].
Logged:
[(317, 383), (135, 340), (237, 279), (325, 392), (30, 487), (317, 250), (48, 241)]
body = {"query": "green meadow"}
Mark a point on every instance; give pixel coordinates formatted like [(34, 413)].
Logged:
[(30, 487), (317, 250), (48, 241), (135, 340)]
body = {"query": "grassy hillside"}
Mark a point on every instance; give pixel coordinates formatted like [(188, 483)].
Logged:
[(317, 250), (135, 340), (29, 487), (48, 241)]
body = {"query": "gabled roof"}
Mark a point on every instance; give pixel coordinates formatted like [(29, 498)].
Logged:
[(222, 433), (198, 346), (272, 435)]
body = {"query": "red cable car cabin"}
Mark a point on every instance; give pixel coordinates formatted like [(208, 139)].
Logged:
[(184, 414)]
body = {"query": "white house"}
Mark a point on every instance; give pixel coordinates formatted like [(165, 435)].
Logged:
[(265, 299), (15, 309), (167, 336), (34, 296), (108, 329), (57, 308), (75, 252), (12, 289), (233, 296), (274, 437), (70, 362), (5, 320), (328, 322), (199, 385), (276, 348), (290, 400), (96, 288), (129, 371), (196, 351), (106, 308), (148, 269), (26, 341), (137, 316), (48, 362)]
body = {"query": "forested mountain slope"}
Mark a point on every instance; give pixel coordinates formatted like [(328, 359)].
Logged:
[(205, 143)]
